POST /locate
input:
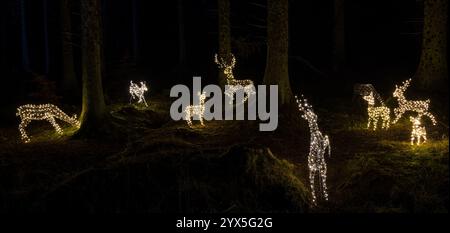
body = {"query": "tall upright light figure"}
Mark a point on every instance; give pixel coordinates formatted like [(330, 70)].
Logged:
[(319, 144)]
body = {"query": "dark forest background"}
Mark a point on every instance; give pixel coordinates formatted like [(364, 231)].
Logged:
[(379, 35)]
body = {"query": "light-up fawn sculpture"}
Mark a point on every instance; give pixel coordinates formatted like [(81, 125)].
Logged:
[(374, 113), (137, 92), (421, 107), (196, 110), (418, 131), (48, 112), (319, 144), (233, 84)]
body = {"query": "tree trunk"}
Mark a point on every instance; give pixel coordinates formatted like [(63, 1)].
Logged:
[(181, 39), (224, 35), (339, 36), (432, 71), (135, 28), (93, 108), (45, 29), (24, 36), (69, 80), (276, 72)]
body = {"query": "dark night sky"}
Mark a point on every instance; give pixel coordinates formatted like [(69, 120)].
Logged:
[(378, 34)]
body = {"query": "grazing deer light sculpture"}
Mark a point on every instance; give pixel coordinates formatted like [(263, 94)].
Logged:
[(374, 113), (319, 144), (404, 105), (137, 92), (418, 131), (196, 110), (48, 112), (233, 84)]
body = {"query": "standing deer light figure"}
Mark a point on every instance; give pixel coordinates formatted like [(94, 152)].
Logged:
[(319, 144), (233, 84), (137, 92), (374, 113), (47, 112), (404, 105), (196, 110), (418, 131)]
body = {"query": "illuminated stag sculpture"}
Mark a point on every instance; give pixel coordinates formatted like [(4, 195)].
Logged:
[(233, 84), (419, 106), (195, 110), (137, 92), (319, 144), (48, 112)]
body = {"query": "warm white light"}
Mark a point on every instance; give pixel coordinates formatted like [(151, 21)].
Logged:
[(48, 112), (137, 92), (195, 110), (234, 85), (404, 105), (374, 113), (418, 131), (319, 144)]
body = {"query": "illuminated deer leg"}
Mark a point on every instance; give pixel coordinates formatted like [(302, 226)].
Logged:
[(54, 124), (187, 112), (201, 119), (23, 133), (375, 122), (323, 172), (430, 116), (398, 114), (311, 183)]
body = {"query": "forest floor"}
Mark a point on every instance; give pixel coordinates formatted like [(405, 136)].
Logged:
[(159, 165)]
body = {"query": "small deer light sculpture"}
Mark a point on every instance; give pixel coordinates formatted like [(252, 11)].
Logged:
[(375, 113), (234, 85), (419, 106), (48, 112), (418, 131), (196, 110), (137, 92), (319, 144)]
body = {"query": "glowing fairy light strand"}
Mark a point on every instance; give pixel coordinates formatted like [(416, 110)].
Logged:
[(421, 107), (137, 92), (234, 85), (418, 131), (377, 112), (195, 110), (319, 144), (48, 112)]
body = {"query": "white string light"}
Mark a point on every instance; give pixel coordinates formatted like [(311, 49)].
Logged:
[(404, 105), (48, 112), (418, 131), (234, 85), (319, 144), (374, 113), (137, 92), (195, 110)]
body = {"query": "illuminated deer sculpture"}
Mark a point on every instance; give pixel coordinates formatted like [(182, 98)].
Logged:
[(233, 84), (319, 144), (48, 112)]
